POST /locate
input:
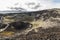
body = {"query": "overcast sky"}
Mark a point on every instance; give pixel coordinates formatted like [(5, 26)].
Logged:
[(29, 5)]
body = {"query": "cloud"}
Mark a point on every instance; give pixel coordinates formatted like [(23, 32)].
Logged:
[(29, 5), (33, 5)]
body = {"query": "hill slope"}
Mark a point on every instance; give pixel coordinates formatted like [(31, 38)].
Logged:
[(45, 21)]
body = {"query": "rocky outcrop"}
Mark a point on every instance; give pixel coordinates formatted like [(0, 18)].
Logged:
[(46, 24)]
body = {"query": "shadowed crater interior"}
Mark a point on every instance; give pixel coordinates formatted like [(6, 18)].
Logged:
[(20, 25)]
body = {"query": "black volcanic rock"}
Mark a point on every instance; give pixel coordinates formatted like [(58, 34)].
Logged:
[(51, 15)]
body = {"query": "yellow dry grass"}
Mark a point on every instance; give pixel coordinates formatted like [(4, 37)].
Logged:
[(41, 23), (7, 33), (37, 24), (7, 20)]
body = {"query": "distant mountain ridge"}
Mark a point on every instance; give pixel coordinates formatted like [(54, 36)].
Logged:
[(20, 11)]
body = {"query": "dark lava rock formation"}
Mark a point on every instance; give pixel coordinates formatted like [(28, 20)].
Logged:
[(48, 29)]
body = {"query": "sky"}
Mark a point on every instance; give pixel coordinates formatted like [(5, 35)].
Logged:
[(28, 5), (56, 1)]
